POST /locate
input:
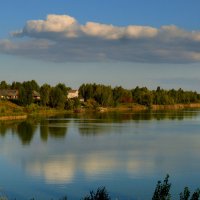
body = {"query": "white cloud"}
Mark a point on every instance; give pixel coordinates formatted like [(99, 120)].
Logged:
[(61, 38), (140, 32), (68, 27), (63, 24), (103, 31)]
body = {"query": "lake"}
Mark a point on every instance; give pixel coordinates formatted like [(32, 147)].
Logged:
[(69, 155)]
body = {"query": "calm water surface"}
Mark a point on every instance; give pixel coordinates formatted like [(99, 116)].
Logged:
[(128, 153)]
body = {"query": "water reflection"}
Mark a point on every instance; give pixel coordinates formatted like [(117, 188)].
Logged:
[(119, 148), (57, 170), (25, 131), (88, 124), (116, 117), (53, 128)]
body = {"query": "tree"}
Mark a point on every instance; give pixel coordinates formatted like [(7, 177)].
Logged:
[(162, 191), (103, 95), (57, 98), (44, 94), (35, 85), (64, 88), (28, 92), (100, 194), (86, 91), (121, 95), (16, 85), (196, 195), (185, 195), (4, 85)]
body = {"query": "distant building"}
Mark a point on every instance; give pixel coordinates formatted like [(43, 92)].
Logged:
[(72, 94), (36, 95), (14, 94), (9, 94)]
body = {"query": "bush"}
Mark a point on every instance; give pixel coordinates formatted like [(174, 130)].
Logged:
[(100, 194), (162, 190)]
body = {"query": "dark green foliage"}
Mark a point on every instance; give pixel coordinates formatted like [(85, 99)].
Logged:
[(44, 94), (103, 95), (72, 104), (57, 98), (16, 85), (162, 191), (100, 194), (25, 132), (196, 195), (4, 85), (142, 96), (185, 195), (34, 85), (64, 88), (26, 91), (121, 95)]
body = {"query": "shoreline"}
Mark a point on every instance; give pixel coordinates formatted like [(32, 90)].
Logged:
[(12, 117), (133, 108), (175, 106), (137, 108)]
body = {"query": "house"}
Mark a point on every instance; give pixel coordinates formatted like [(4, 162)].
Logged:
[(9, 94), (14, 94), (72, 94), (36, 95)]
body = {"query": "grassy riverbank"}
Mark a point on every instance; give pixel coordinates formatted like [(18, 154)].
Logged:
[(137, 107), (11, 111)]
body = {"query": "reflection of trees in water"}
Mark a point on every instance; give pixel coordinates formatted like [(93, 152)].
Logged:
[(25, 131), (100, 123), (86, 128), (6, 126), (55, 128), (119, 117), (97, 123), (57, 132), (3, 129), (162, 115), (44, 130), (88, 123)]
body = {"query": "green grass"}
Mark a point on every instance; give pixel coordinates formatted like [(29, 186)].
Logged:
[(10, 109)]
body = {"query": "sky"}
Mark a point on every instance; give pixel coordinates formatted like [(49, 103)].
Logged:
[(114, 42)]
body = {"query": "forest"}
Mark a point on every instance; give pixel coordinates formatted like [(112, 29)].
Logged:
[(95, 95)]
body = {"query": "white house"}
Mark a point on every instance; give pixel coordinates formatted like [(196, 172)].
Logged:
[(72, 94)]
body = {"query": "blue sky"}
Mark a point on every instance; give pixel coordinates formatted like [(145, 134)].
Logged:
[(117, 42)]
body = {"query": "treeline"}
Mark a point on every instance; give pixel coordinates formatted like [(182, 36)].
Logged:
[(51, 96), (95, 95), (107, 96)]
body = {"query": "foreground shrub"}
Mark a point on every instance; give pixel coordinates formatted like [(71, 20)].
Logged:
[(162, 191), (100, 194)]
